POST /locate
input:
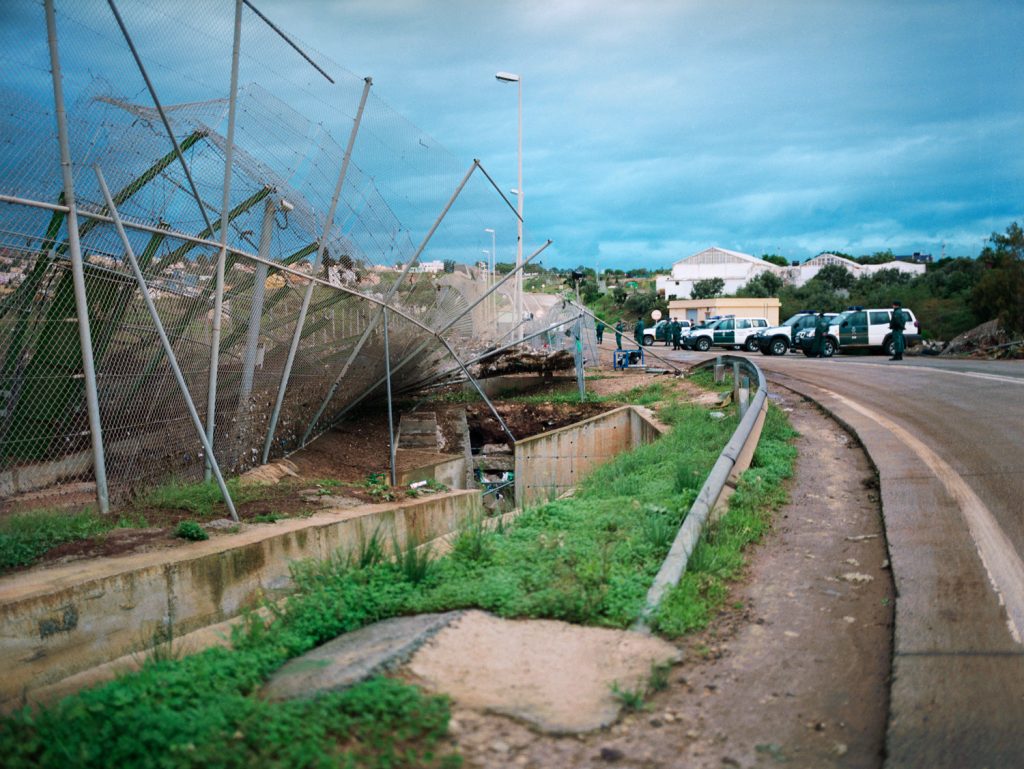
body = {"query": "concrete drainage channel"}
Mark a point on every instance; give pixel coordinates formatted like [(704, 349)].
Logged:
[(76, 625)]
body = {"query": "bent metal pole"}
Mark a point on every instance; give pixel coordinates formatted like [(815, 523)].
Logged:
[(77, 270), (168, 350), (307, 297)]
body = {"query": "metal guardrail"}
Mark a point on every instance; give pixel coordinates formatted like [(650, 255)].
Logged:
[(741, 444)]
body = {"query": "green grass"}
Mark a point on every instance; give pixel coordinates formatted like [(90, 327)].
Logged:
[(200, 498), (644, 395), (26, 536)]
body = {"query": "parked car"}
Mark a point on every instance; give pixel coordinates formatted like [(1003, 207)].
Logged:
[(860, 329), (737, 333), (778, 340), (660, 329)]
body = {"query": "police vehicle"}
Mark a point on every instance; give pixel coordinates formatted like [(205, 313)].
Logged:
[(778, 340), (660, 330), (729, 331), (861, 329)]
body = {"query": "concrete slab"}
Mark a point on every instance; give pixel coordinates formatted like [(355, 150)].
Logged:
[(519, 668), (354, 657)]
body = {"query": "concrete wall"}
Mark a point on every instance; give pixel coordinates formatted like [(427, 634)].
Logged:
[(549, 464), (59, 621)]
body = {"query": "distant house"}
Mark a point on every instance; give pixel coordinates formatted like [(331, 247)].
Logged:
[(736, 269)]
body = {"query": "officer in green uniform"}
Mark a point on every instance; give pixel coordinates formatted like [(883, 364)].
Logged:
[(619, 328), (820, 329), (897, 323), (677, 332), (599, 328)]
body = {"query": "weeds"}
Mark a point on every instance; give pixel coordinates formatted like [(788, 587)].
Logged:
[(199, 498), (191, 530), (413, 560), (632, 700)]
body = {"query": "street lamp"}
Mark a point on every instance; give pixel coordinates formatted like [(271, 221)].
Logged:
[(508, 77)]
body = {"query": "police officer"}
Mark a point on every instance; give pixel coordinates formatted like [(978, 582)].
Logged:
[(619, 328), (820, 329), (897, 323), (599, 329), (677, 331), (638, 332)]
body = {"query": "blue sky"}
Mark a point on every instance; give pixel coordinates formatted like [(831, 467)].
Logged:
[(655, 129)]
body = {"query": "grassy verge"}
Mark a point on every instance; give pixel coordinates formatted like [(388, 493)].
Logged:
[(26, 536), (588, 559), (718, 557)]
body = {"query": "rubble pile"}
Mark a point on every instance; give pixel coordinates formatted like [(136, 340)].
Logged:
[(524, 360), (988, 340)]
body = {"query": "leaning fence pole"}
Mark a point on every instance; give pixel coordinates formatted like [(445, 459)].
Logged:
[(77, 269), (168, 350), (218, 298), (376, 318), (479, 389), (259, 289), (391, 418), (307, 297)]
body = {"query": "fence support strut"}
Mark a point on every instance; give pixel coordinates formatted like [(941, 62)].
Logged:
[(168, 350), (77, 270), (301, 320)]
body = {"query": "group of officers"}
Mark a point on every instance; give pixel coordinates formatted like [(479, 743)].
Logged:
[(673, 332)]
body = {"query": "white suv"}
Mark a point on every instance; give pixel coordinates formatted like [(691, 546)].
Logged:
[(860, 329), (737, 333)]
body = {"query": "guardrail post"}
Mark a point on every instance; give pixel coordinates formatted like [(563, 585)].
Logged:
[(735, 382), (719, 369), (744, 396)]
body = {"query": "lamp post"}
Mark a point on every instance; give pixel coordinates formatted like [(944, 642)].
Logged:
[(508, 77), (490, 273)]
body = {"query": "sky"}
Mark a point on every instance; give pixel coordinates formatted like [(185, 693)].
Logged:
[(655, 129), (652, 130)]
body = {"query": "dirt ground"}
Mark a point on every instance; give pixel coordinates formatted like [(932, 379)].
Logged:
[(794, 672)]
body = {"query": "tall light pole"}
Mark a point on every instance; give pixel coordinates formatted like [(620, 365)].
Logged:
[(508, 77), (490, 278)]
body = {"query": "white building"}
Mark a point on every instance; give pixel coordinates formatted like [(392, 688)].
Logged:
[(737, 269)]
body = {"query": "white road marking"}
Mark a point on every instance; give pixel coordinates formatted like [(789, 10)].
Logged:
[(1001, 561)]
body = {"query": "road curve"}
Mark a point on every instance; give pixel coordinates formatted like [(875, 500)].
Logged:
[(947, 438)]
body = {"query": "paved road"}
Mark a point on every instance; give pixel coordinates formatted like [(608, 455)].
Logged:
[(947, 437)]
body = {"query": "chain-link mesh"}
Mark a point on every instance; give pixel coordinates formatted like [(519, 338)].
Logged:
[(292, 127)]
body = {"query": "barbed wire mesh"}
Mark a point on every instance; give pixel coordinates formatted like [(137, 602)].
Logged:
[(291, 129)]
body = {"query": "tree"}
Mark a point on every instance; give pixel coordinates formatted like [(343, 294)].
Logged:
[(835, 276), (449, 266), (761, 285), (776, 259), (1000, 291), (708, 288)]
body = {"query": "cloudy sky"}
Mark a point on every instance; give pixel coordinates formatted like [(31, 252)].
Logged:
[(655, 129)]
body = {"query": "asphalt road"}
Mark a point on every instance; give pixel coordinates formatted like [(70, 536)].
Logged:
[(947, 437)]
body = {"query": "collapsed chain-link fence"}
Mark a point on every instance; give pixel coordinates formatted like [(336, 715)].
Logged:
[(299, 338)]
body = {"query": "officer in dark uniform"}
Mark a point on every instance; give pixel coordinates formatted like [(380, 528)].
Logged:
[(820, 329), (677, 331), (599, 329), (897, 323), (638, 332), (619, 328)]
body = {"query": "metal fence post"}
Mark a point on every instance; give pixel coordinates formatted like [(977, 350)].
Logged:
[(218, 298), (259, 288), (301, 320), (168, 350), (391, 419), (77, 269)]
